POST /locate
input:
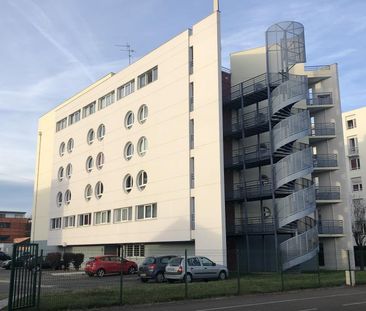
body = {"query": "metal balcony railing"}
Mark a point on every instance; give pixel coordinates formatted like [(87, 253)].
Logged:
[(352, 151), (316, 68), (324, 98), (330, 227), (325, 160), (322, 129), (234, 128), (324, 193), (251, 225), (255, 118), (257, 153), (251, 190)]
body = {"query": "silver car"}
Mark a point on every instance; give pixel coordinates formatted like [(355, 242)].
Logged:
[(197, 268)]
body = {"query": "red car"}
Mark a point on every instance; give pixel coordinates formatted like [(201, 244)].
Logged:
[(101, 265)]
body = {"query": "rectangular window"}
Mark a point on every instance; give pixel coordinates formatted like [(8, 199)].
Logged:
[(89, 109), (60, 125), (123, 214), (126, 89), (146, 211), (353, 145), (193, 213), (55, 223), (106, 100), (190, 59), (351, 122), (69, 221), (85, 220), (191, 96), (4, 225), (147, 77), (356, 184), (191, 134), (74, 117), (134, 250), (102, 218), (355, 163), (191, 168)]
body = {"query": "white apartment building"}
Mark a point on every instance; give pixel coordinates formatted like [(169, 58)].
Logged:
[(173, 153)]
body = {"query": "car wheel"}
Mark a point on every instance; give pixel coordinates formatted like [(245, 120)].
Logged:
[(131, 270), (159, 278), (189, 278), (143, 280), (100, 273), (222, 275)]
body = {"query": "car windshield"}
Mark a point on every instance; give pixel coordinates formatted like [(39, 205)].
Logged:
[(149, 261), (175, 261)]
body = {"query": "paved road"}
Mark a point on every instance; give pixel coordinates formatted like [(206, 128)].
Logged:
[(329, 299)]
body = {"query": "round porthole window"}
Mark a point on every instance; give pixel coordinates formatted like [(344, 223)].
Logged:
[(142, 114), (141, 180), (129, 119), (127, 183)]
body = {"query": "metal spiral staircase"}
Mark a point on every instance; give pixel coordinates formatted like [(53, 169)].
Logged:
[(293, 162)]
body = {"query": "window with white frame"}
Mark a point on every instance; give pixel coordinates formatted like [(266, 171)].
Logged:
[(128, 151), (90, 136), (55, 223), (69, 221), (68, 171), (356, 184), (70, 145), (142, 114), (129, 120), (134, 250), (351, 122), (99, 189), (88, 192), (84, 220), (89, 109), (74, 117), (61, 149), (60, 125), (127, 183), (59, 198), (60, 174), (106, 100), (146, 211), (102, 218), (99, 161), (123, 214), (126, 89), (142, 146), (141, 180), (89, 164), (355, 163), (147, 77), (101, 132), (67, 197)]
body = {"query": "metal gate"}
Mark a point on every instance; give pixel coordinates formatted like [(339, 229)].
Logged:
[(25, 277)]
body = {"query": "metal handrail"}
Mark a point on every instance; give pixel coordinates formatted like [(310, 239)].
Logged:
[(316, 68), (325, 160), (322, 129), (251, 225), (328, 193), (330, 226), (323, 98)]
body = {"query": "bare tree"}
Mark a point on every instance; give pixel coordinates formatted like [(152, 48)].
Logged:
[(359, 228)]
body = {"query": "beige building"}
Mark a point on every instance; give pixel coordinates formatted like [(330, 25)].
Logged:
[(173, 153)]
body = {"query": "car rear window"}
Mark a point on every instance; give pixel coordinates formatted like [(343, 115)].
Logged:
[(149, 261), (175, 261)]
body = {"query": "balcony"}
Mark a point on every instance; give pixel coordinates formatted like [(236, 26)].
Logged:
[(256, 122), (322, 131), (233, 130), (252, 191), (353, 151), (325, 162), (328, 195), (250, 225), (330, 227), (235, 161), (317, 68), (320, 101), (257, 155)]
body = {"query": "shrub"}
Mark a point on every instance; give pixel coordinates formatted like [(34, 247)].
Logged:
[(77, 261), (54, 260), (68, 258)]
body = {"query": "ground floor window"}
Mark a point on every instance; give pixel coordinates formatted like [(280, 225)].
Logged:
[(134, 250)]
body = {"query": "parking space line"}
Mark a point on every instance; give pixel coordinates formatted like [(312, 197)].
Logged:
[(354, 304)]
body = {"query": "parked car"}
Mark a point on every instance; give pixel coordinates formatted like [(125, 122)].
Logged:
[(197, 268), (153, 268), (4, 256), (101, 265), (20, 261)]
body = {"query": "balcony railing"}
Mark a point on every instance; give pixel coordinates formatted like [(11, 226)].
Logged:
[(251, 190), (330, 193), (257, 153), (251, 225), (322, 129), (255, 118), (325, 160), (330, 227), (234, 128), (324, 98), (316, 68), (352, 151)]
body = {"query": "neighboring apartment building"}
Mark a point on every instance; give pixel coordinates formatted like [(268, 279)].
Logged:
[(13, 225), (173, 153)]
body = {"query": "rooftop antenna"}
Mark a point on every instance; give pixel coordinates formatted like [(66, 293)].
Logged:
[(127, 48)]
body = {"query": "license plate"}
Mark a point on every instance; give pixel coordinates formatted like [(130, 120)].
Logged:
[(143, 274)]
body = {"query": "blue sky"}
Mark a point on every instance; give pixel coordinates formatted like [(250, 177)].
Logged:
[(52, 49)]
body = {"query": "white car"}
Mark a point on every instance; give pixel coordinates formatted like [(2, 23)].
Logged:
[(197, 268)]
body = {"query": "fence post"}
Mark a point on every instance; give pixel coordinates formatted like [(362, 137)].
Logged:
[(349, 268), (238, 271), (39, 280), (12, 278), (121, 280), (185, 275)]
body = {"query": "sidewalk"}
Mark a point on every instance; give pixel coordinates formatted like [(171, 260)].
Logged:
[(3, 303)]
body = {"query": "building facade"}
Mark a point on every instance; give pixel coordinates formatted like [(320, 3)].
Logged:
[(174, 153)]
